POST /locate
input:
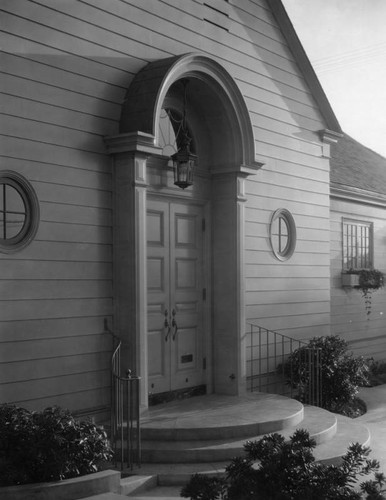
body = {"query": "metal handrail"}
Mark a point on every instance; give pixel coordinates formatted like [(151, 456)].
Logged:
[(125, 414), (267, 353)]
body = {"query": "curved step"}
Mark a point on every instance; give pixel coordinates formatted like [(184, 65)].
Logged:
[(321, 425), (217, 417), (348, 431), (328, 451)]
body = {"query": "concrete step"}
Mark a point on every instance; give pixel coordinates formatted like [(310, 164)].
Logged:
[(328, 451), (349, 431), (320, 424), (217, 417), (138, 483), (159, 493), (106, 496), (203, 434)]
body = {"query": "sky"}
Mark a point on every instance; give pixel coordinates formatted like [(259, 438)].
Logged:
[(345, 41)]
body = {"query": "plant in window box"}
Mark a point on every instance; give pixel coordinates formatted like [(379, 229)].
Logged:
[(369, 280)]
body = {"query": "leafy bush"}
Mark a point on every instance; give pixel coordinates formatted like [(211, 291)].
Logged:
[(276, 469), (48, 446), (342, 373)]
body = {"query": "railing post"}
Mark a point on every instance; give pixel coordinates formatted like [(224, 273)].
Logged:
[(139, 452), (125, 409), (291, 371), (129, 410)]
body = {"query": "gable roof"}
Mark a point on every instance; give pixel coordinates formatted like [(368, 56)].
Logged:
[(357, 167), (305, 65)]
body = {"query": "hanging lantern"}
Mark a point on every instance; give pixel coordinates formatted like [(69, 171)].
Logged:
[(183, 164), (184, 161)]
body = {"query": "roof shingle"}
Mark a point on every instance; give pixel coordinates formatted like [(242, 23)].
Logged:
[(357, 166)]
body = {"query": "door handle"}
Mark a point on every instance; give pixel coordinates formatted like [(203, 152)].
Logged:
[(175, 326), (166, 325)]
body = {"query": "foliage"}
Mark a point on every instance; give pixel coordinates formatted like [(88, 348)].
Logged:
[(341, 372), (48, 446), (369, 280), (276, 469), (377, 375)]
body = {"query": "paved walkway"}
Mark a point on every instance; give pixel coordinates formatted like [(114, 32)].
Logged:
[(375, 420)]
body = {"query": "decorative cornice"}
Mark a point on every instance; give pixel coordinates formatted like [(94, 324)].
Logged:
[(250, 169), (356, 195), (132, 142), (329, 136), (242, 170)]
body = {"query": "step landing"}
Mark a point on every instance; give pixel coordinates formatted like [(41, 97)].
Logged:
[(220, 417), (203, 434)]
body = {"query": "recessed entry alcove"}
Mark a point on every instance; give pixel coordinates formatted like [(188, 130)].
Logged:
[(178, 253)]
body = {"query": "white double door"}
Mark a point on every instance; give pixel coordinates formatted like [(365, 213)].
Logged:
[(176, 296)]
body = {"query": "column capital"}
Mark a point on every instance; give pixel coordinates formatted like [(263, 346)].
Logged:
[(132, 142)]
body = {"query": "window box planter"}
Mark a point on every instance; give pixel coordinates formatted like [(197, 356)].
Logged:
[(350, 280), (365, 279)]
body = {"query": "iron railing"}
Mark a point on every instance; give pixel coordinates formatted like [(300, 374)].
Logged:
[(267, 354), (125, 414)]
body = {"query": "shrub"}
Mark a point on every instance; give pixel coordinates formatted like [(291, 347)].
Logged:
[(48, 446), (342, 373), (276, 469)]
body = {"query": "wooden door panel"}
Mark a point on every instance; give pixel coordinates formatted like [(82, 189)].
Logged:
[(155, 227), (156, 274), (185, 231), (175, 273), (158, 286), (156, 359), (186, 279), (186, 274)]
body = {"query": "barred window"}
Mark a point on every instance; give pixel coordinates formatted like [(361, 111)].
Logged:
[(357, 245)]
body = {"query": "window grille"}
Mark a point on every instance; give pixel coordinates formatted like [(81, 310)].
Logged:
[(357, 245)]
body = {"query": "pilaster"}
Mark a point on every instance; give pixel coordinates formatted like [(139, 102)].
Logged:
[(229, 282), (130, 153)]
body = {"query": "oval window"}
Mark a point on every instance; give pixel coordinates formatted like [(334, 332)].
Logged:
[(19, 212), (283, 234)]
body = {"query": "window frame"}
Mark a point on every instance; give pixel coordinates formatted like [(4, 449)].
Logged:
[(286, 216), (32, 212), (365, 263)]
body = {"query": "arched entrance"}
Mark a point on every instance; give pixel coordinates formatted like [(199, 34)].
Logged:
[(179, 255)]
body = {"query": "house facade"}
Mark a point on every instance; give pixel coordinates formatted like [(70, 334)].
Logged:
[(95, 232), (358, 236)]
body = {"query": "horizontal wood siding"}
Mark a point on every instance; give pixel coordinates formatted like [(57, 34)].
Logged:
[(58, 100), (365, 334), (65, 69)]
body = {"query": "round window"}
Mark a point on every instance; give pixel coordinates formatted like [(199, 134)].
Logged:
[(19, 212), (283, 234)]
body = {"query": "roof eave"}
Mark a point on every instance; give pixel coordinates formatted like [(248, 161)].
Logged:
[(305, 66), (356, 195)]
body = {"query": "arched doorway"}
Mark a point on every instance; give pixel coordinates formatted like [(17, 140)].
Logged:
[(179, 255)]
